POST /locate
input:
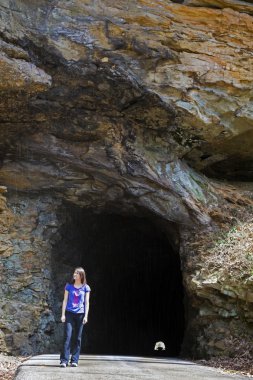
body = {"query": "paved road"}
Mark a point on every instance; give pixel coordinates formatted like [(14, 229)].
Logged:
[(93, 367)]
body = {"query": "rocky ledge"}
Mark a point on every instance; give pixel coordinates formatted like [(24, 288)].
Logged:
[(137, 108)]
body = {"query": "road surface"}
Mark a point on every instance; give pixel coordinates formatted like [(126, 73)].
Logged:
[(94, 367)]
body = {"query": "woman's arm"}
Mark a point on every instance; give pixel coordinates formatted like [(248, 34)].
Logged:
[(64, 304), (87, 305)]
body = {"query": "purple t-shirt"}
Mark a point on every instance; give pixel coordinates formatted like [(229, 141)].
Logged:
[(76, 298)]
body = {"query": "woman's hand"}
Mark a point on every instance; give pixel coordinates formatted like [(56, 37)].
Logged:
[(63, 318), (85, 320)]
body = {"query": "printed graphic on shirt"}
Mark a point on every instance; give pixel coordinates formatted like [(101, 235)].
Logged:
[(76, 298)]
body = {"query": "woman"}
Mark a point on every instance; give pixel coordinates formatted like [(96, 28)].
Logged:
[(75, 309)]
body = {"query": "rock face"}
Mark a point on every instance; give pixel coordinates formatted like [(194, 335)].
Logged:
[(126, 109)]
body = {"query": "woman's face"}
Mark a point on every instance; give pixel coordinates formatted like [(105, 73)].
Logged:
[(76, 276)]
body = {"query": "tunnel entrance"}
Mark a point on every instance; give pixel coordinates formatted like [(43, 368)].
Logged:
[(135, 278)]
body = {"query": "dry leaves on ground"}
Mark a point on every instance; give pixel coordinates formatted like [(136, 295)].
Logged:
[(9, 365), (239, 365)]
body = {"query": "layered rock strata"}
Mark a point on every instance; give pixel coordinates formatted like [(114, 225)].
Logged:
[(125, 108)]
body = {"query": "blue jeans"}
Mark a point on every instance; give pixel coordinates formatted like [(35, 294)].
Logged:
[(73, 323)]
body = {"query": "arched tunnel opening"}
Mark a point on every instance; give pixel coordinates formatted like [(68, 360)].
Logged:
[(137, 296)]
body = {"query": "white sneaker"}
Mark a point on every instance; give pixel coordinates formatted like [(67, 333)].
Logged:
[(74, 364), (64, 365)]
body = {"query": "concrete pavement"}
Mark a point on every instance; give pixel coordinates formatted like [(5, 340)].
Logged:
[(94, 367)]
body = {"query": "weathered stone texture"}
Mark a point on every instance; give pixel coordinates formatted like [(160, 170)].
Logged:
[(122, 107), (26, 275)]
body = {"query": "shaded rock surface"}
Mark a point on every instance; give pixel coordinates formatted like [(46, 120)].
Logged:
[(238, 5), (123, 108)]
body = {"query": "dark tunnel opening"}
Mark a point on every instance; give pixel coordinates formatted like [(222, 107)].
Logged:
[(135, 278)]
